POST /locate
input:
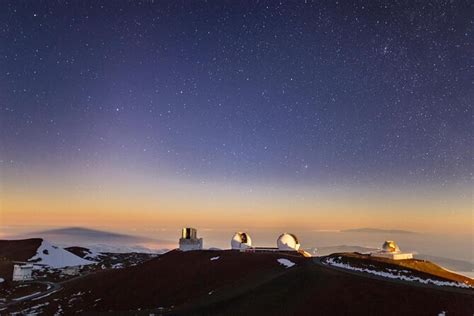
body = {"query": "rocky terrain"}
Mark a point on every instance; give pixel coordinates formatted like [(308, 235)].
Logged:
[(225, 282)]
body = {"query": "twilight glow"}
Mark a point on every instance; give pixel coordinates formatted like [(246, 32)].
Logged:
[(285, 115)]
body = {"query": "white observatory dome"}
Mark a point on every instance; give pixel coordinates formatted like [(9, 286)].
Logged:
[(390, 246), (288, 242), (241, 241)]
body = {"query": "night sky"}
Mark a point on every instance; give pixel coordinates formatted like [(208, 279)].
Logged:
[(300, 94)]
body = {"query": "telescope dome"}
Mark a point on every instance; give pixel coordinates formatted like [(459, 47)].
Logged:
[(288, 242), (241, 241), (390, 246)]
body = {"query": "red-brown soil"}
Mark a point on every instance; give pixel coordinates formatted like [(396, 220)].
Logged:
[(78, 251), (174, 278), (19, 250), (315, 290), (6, 271)]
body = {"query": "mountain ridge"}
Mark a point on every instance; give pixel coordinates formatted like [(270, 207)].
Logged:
[(377, 231)]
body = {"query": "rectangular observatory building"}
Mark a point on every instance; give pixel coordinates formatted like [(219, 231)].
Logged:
[(189, 240)]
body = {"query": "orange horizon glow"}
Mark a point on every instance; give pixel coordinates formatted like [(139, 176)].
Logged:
[(79, 200)]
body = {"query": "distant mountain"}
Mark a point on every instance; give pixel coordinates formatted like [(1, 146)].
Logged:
[(377, 231), (324, 251), (89, 234), (102, 241), (451, 264)]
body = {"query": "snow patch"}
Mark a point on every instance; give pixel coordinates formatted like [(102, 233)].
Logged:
[(57, 257), (117, 266), (59, 311), (388, 275), (215, 258), (26, 296), (43, 296), (2, 280), (287, 263), (34, 310), (92, 254)]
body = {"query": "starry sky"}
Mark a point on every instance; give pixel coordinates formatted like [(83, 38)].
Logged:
[(293, 113)]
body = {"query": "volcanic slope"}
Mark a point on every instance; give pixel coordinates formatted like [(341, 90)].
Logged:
[(16, 250), (415, 267), (235, 283), (175, 279), (311, 289), (19, 250), (35, 250)]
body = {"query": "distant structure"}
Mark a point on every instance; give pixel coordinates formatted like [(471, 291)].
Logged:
[(72, 271), (285, 243), (22, 272), (391, 250), (241, 241), (189, 240), (288, 242)]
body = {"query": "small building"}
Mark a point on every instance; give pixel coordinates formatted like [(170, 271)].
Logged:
[(390, 250), (189, 240), (241, 241), (22, 272), (72, 271)]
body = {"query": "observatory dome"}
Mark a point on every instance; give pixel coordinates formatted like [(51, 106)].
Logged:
[(288, 242), (390, 246), (241, 241)]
